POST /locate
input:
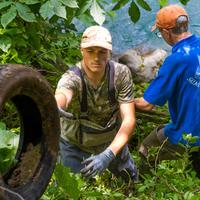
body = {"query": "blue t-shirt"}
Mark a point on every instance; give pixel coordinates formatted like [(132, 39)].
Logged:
[(178, 82)]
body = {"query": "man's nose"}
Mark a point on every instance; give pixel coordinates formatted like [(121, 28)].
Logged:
[(96, 56)]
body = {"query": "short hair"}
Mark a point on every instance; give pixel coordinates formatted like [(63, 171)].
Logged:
[(181, 25)]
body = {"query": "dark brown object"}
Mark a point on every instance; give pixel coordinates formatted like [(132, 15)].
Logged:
[(40, 130)]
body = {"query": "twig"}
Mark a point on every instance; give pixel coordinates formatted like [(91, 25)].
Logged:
[(156, 160)]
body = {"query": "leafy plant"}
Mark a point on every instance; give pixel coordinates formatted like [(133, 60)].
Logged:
[(8, 147)]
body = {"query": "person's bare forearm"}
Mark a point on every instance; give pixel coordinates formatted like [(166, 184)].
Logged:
[(122, 137), (142, 104), (127, 112)]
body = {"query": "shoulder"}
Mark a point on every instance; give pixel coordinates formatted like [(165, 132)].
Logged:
[(120, 69), (123, 77), (172, 60), (71, 77), (73, 73)]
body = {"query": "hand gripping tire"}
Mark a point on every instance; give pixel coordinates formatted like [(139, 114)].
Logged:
[(39, 132)]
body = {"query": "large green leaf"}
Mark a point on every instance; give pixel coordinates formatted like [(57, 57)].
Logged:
[(8, 16), (60, 11), (163, 3), (8, 138), (29, 2), (144, 5), (70, 3), (120, 4), (5, 4), (84, 6), (134, 12), (5, 43), (97, 13), (47, 10), (25, 12), (184, 2), (67, 181), (8, 145)]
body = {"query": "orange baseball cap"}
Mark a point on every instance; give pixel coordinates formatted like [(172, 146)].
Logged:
[(166, 17), (96, 36)]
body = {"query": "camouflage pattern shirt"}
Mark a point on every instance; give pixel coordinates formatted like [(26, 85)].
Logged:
[(99, 109)]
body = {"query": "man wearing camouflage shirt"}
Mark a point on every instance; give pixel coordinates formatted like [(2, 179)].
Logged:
[(96, 138)]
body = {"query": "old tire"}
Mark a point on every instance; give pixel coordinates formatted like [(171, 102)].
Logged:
[(39, 125)]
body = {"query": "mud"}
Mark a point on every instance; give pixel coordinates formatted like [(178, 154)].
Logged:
[(27, 166)]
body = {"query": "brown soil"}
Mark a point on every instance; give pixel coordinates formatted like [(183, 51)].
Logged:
[(26, 167)]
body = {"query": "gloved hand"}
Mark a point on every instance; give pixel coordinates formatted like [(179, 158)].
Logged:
[(97, 164)]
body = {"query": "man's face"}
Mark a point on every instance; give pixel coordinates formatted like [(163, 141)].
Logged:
[(95, 58), (167, 36)]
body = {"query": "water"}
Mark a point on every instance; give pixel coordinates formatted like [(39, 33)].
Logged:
[(127, 35)]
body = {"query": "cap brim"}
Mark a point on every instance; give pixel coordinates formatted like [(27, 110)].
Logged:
[(98, 44), (153, 28)]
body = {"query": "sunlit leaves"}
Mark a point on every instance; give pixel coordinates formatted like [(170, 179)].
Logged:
[(83, 7), (66, 181), (7, 17), (70, 3), (97, 12), (163, 3), (59, 9), (8, 145), (29, 2), (51, 8), (5, 4), (46, 10), (25, 12), (134, 12)]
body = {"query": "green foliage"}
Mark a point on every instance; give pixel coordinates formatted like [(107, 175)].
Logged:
[(8, 147), (134, 12), (97, 12), (66, 185), (190, 139), (184, 2), (42, 33), (163, 3), (120, 4), (144, 5), (66, 180), (173, 179)]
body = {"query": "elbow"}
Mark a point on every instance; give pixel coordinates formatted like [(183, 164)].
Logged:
[(148, 107), (142, 104)]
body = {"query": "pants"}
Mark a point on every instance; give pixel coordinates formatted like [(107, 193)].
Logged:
[(168, 151), (122, 166)]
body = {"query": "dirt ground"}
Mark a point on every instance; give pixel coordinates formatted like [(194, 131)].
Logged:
[(26, 167)]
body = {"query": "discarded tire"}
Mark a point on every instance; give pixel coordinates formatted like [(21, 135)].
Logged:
[(39, 135)]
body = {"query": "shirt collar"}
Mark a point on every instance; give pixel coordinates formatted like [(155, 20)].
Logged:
[(183, 42)]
